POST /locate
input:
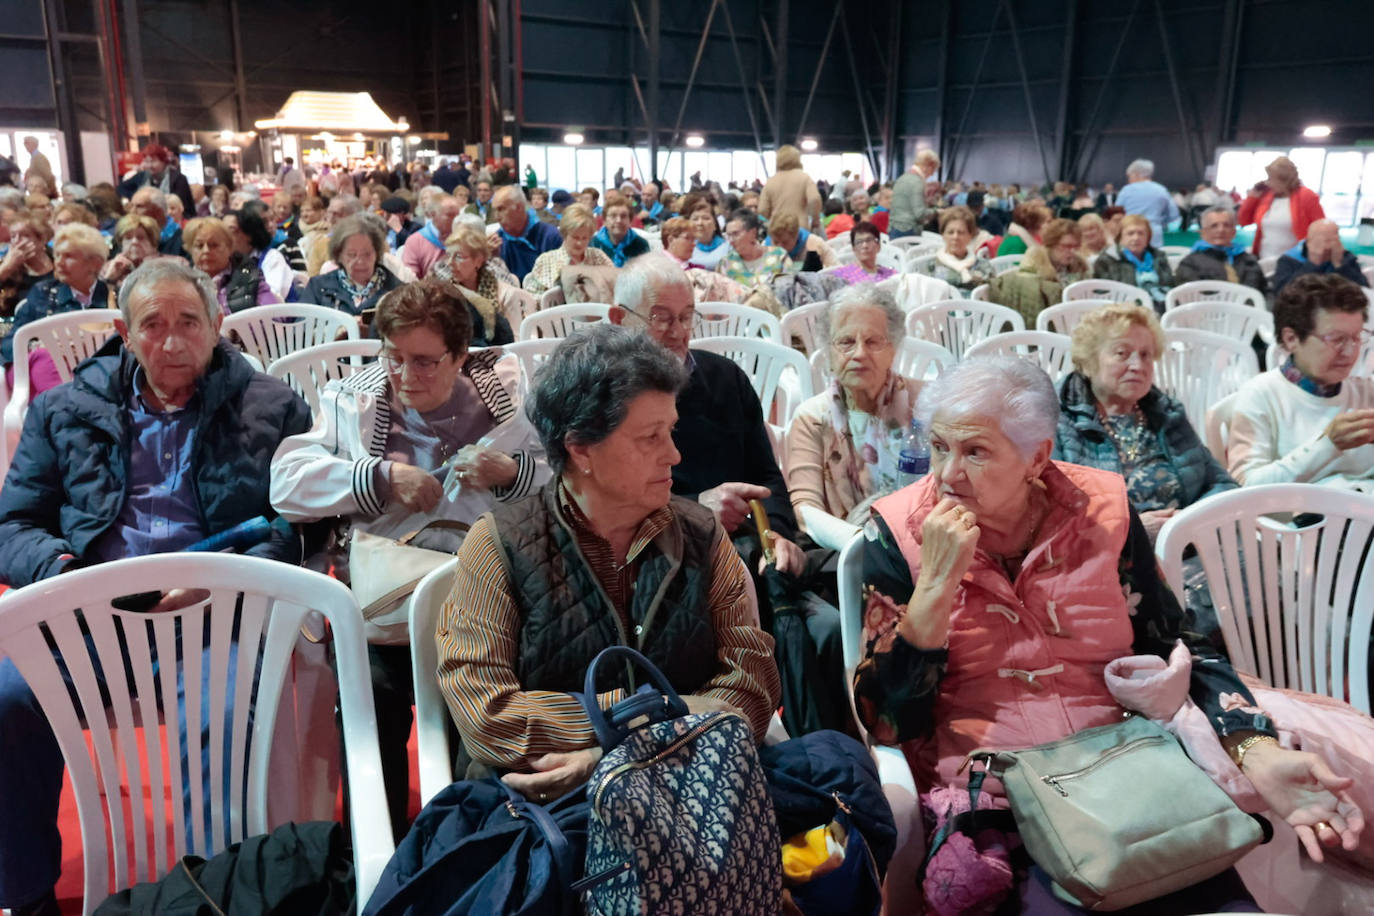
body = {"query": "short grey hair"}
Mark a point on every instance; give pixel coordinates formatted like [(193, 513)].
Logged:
[(471, 219), (155, 272), (1142, 167), (84, 238), (1014, 392), (155, 195), (583, 391), (641, 281), (1218, 208), (357, 224), (77, 191), (12, 197), (349, 204), (862, 295)]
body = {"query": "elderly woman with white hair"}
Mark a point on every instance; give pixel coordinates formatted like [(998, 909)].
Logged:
[(842, 445), (998, 589)]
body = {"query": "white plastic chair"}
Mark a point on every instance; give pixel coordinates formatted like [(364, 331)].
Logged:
[(981, 293), (1295, 604), (561, 320), (916, 359), (69, 338), (766, 364), (919, 264), (270, 332), (1268, 266), (431, 712), (891, 257), (1108, 290), (1199, 368), (1176, 253), (907, 242), (1368, 275), (1006, 262), (731, 319), (1218, 427), (1047, 350), (802, 324), (1063, 317), (549, 298), (308, 371), (256, 604), (1230, 319), (914, 290), (1213, 291), (531, 354), (521, 306), (959, 324)]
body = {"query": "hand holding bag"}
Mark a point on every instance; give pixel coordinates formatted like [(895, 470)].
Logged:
[(1118, 815)]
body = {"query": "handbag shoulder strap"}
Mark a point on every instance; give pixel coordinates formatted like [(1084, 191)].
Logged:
[(971, 822), (439, 524)]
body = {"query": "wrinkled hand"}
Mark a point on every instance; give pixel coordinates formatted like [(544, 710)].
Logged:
[(1301, 789), (730, 502), (1352, 429), (787, 557), (21, 251), (1154, 520), (484, 468), (494, 243), (697, 703), (555, 775), (178, 598), (949, 537), (394, 221), (116, 269), (415, 489)]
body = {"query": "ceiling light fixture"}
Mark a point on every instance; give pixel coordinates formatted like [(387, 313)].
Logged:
[(695, 141), (573, 138), (1317, 131), (810, 145)]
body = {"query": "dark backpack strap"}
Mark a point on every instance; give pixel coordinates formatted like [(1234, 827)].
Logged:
[(566, 868)]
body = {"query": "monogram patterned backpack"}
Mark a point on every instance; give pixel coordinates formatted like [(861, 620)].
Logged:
[(681, 821)]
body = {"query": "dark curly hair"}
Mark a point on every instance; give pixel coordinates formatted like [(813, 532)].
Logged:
[(1296, 307), (582, 393)]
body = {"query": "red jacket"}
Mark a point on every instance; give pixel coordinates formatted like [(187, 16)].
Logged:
[(1306, 209)]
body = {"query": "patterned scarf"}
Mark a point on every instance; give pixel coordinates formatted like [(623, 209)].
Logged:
[(1295, 375), (484, 298), (855, 468), (361, 294)]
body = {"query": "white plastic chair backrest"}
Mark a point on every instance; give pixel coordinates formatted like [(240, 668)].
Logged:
[(1269, 265), (767, 365), (731, 319), (561, 320), (308, 371), (1047, 350), (907, 242), (270, 332), (916, 359), (1180, 250), (431, 712), (1218, 431), (1109, 290), (251, 623), (981, 293), (1199, 368), (69, 338), (933, 238), (1063, 317), (802, 324), (959, 324), (1365, 260), (551, 297), (1006, 262), (891, 257), (1213, 291), (920, 263), (913, 290), (1230, 319), (520, 307), (532, 354), (1294, 603), (1368, 275)]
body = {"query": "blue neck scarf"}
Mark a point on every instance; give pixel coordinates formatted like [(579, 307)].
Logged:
[(617, 250), (431, 235), (169, 229), (1146, 263), (715, 243), (530, 220), (1231, 251)]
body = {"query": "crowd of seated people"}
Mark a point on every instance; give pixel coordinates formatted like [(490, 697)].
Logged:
[(635, 455)]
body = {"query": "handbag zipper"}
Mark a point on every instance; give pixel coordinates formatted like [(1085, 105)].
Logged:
[(1054, 780), (641, 764)]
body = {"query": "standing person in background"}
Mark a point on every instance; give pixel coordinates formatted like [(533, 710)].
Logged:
[(1107, 198), (159, 171), (1148, 198), (790, 190), (1279, 228), (910, 212), (39, 167)]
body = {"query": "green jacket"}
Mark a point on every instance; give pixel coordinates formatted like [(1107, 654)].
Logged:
[(1027, 292)]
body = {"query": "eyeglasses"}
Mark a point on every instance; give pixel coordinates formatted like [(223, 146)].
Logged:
[(1345, 341), (865, 240), (660, 321), (847, 345), (422, 366)]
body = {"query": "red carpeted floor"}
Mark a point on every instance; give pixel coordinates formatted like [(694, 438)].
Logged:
[(69, 886)]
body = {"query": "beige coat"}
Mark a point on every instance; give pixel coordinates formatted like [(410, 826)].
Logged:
[(791, 191)]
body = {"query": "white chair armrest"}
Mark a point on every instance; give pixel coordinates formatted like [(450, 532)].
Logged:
[(825, 529)]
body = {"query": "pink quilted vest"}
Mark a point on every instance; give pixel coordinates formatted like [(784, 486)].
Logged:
[(1026, 658)]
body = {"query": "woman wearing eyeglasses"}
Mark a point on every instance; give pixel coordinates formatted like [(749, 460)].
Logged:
[(866, 243), (428, 418), (1310, 421), (842, 445)]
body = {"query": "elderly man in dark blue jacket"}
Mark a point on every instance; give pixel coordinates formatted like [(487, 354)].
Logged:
[(161, 439), (524, 237)]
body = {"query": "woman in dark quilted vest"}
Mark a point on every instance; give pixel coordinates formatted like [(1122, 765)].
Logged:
[(604, 555), (238, 280)]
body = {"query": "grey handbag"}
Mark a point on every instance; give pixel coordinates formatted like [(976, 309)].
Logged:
[(1117, 815)]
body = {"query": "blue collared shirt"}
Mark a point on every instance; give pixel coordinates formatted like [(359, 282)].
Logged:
[(160, 513)]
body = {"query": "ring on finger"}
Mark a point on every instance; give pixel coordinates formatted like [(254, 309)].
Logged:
[(1319, 826)]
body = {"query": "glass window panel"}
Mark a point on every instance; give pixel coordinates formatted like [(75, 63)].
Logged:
[(670, 168), (532, 154), (720, 169), (745, 167), (857, 163), (695, 163), (1260, 159), (1233, 170), (1342, 172), (591, 168), (1367, 187), (1339, 208), (813, 166), (770, 162), (622, 157), (563, 168), (1309, 161)]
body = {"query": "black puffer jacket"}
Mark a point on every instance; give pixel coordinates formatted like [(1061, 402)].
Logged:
[(67, 483)]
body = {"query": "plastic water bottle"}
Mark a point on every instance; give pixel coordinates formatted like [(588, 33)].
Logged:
[(913, 461)]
